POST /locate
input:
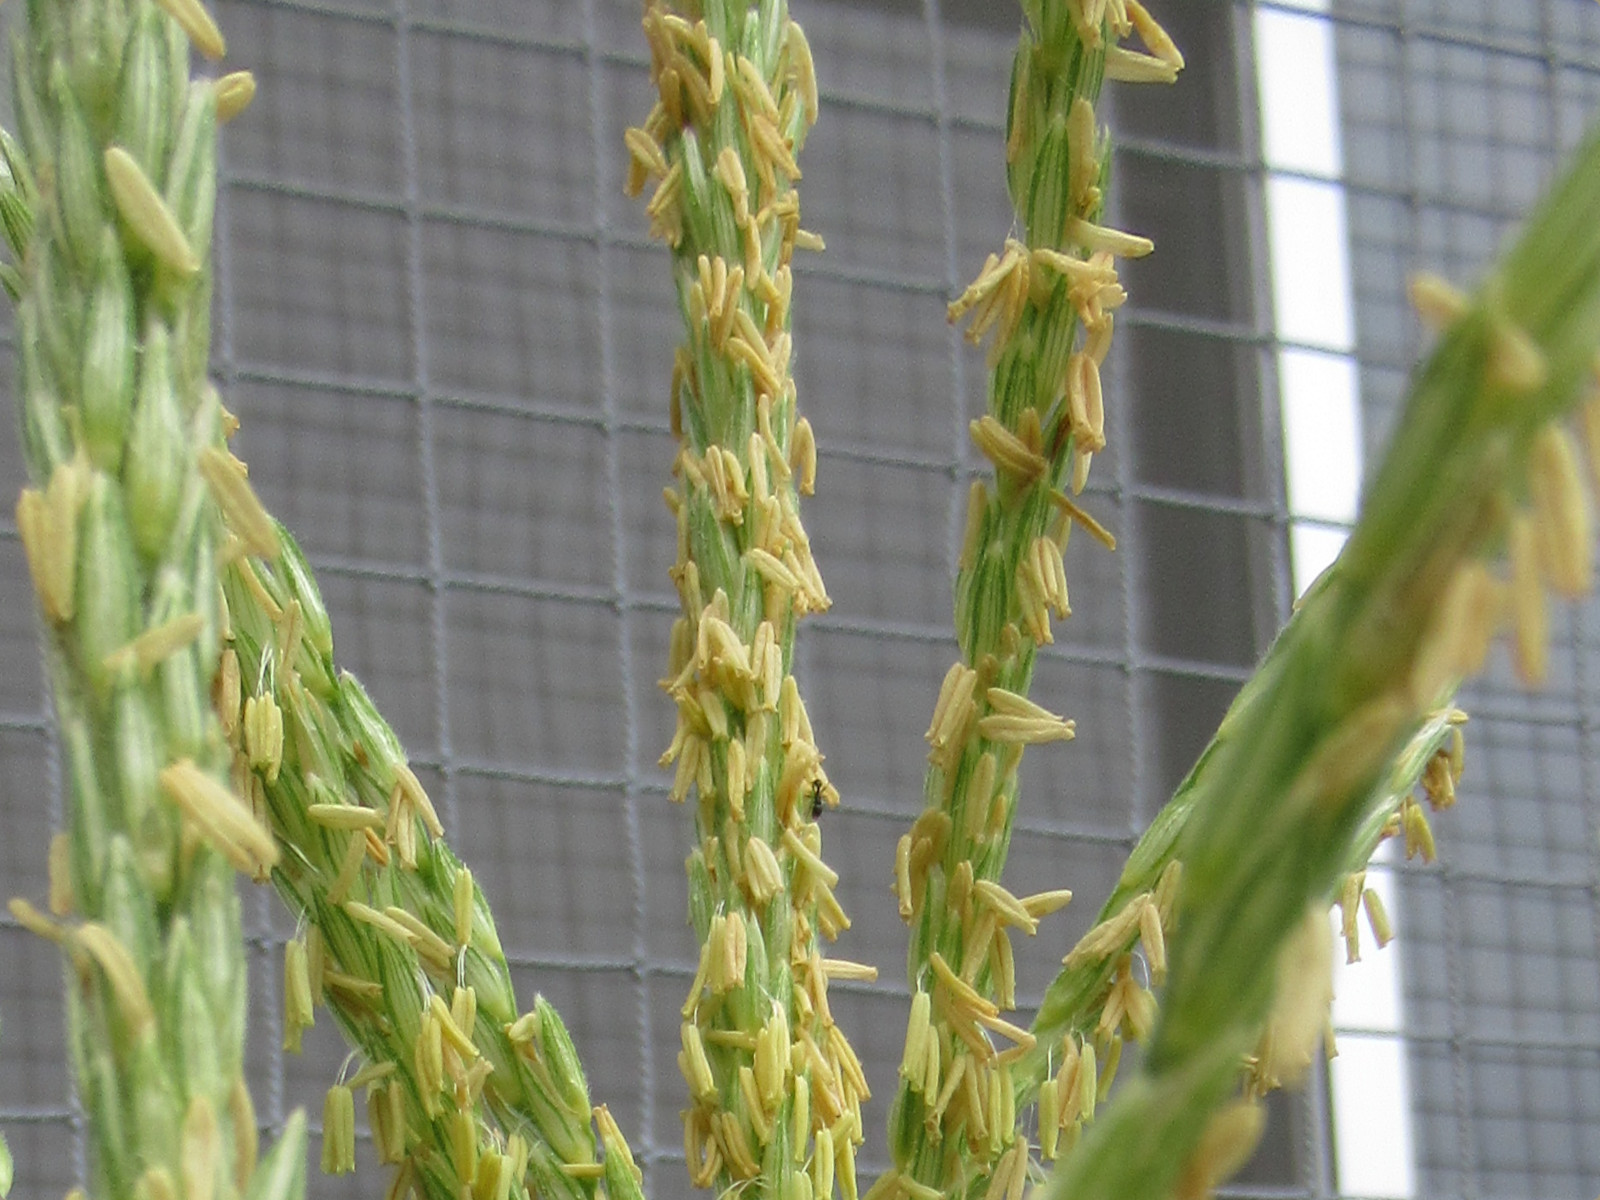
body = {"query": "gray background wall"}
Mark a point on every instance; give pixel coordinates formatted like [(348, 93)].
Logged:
[(448, 340)]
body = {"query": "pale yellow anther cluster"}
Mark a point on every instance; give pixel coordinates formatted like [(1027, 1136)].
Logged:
[(1300, 1022), (1354, 897), (1068, 1097), (774, 1087), (218, 816), (47, 521), (1144, 918), (1548, 530), (693, 72), (1437, 781), (950, 1061), (1042, 584), (229, 481), (1015, 720), (997, 300), (1125, 1008), (255, 727)]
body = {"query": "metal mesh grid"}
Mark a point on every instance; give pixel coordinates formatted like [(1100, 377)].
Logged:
[(1455, 114), (448, 341)]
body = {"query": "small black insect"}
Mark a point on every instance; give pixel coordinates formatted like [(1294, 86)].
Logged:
[(816, 798)]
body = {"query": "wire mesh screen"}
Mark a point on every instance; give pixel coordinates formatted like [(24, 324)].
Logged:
[(1455, 115), (449, 343)]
